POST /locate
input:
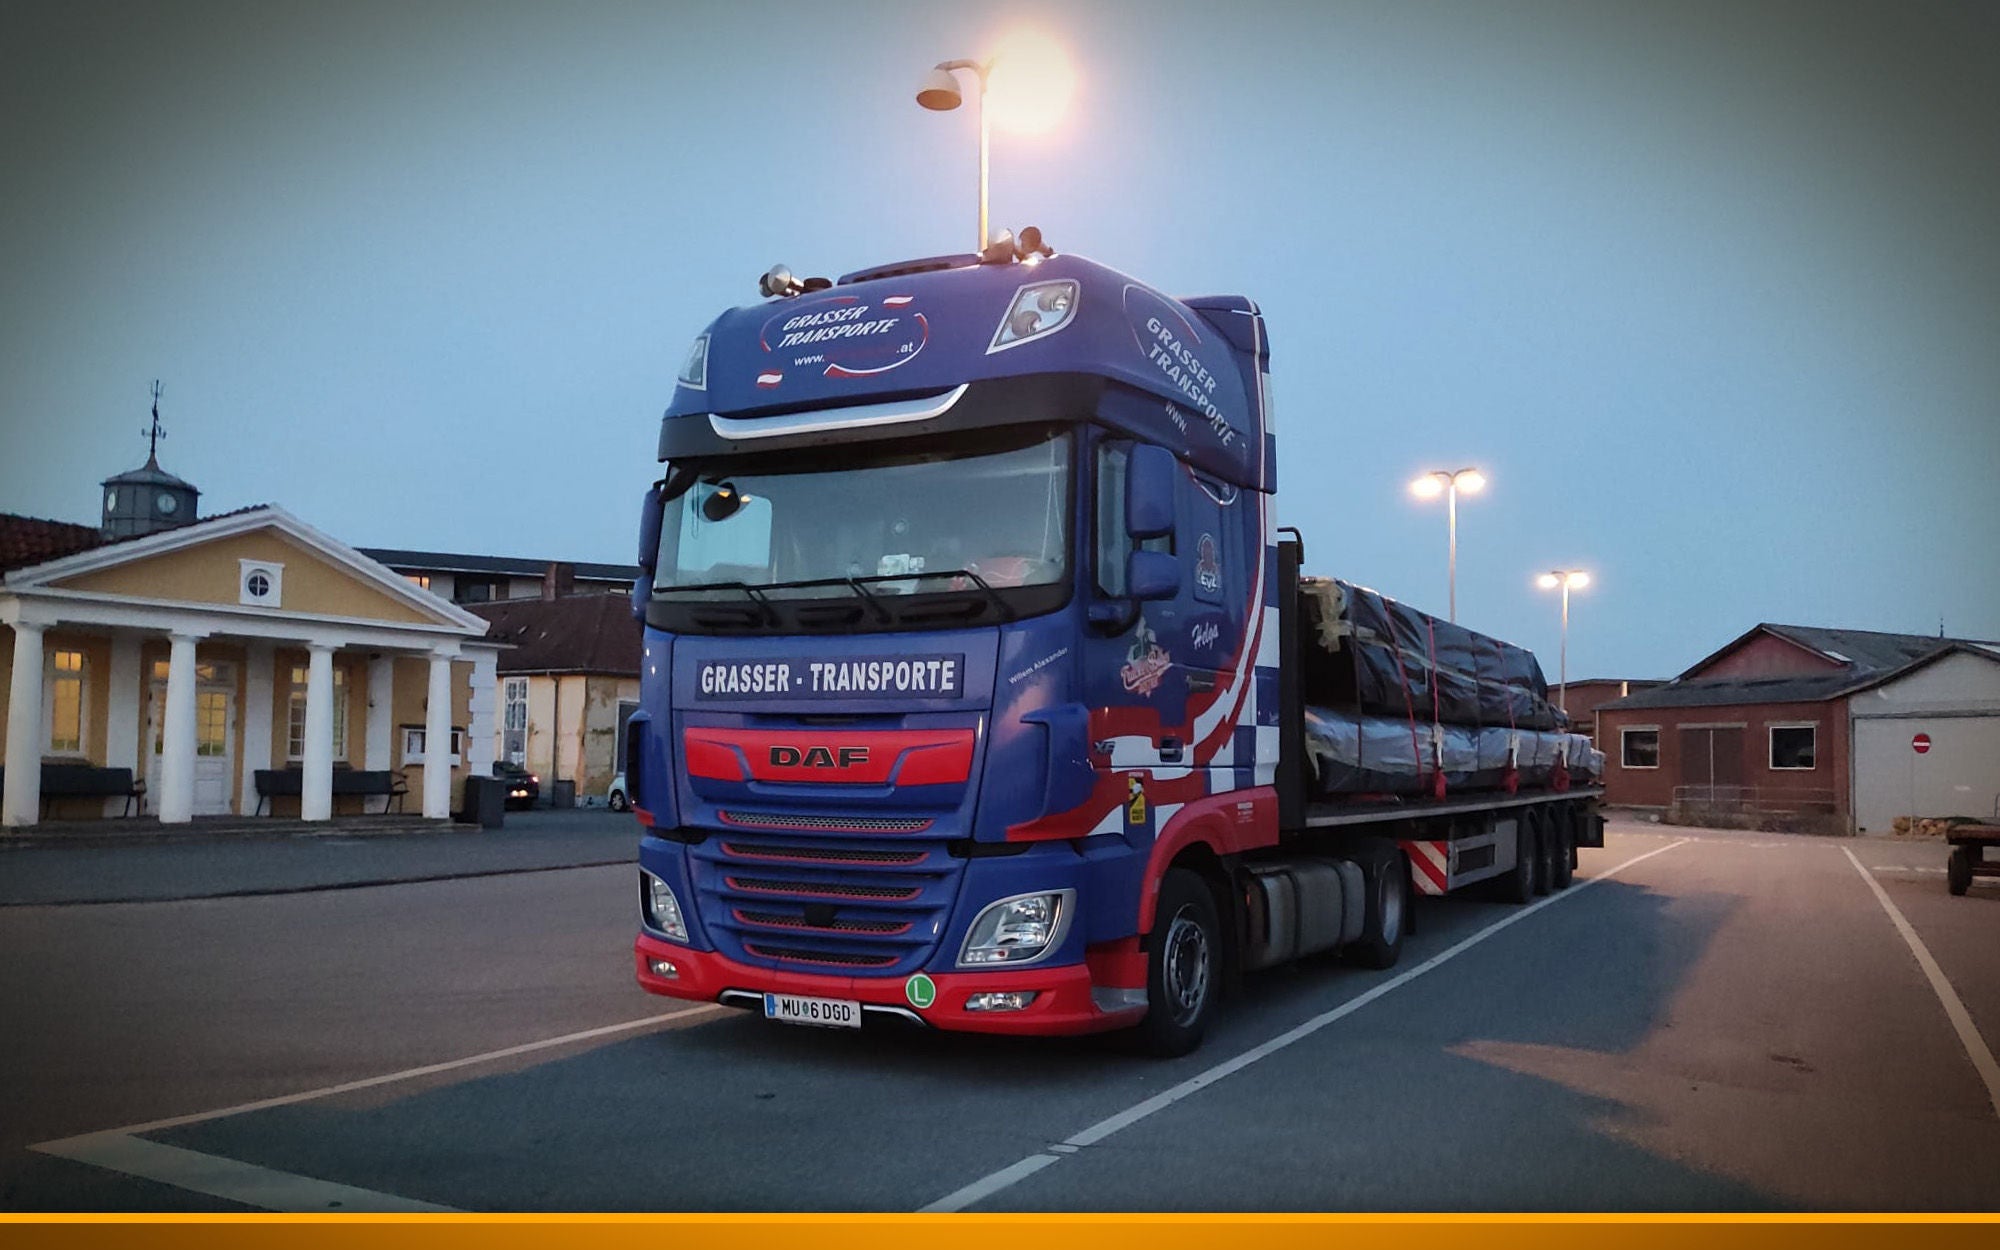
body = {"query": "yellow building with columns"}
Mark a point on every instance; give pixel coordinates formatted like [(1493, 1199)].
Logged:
[(205, 653)]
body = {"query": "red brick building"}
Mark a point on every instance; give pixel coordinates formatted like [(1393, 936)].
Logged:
[(1583, 698), (1762, 728)]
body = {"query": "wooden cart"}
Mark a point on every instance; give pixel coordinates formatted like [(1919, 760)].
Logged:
[(1968, 855)]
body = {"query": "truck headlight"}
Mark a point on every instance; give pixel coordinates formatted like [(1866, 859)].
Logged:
[(1018, 930), (1038, 310), (662, 910)]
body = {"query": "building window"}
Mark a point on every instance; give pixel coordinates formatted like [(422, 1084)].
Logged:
[(261, 583), (477, 590), (66, 694), (414, 744), (514, 721), (295, 714), (1792, 747), (211, 720), (1639, 748), (422, 581)]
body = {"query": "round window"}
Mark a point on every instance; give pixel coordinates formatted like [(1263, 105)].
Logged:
[(257, 584)]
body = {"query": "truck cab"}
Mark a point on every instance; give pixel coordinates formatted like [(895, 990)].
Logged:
[(957, 600)]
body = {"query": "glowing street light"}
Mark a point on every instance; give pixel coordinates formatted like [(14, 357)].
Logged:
[(1029, 80), (1438, 482), (1565, 578)]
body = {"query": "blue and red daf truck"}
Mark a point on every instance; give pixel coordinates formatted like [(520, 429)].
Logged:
[(981, 690)]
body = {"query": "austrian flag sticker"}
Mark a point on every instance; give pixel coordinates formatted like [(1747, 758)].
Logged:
[(769, 380)]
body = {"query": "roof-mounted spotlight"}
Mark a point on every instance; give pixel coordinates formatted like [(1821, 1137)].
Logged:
[(1032, 245), (779, 281), (1000, 251)]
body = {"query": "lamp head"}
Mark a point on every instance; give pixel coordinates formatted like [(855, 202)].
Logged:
[(1470, 481), (1579, 579), (940, 91), (1427, 487), (1548, 581)]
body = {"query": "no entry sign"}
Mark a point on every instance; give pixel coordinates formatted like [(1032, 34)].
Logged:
[(1921, 743)]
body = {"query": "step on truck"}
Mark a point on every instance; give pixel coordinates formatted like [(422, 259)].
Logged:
[(981, 690)]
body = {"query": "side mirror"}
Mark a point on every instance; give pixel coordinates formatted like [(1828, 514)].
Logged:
[(1152, 575), (650, 514), (1149, 491)]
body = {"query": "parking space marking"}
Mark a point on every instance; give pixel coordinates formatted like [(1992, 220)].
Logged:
[(1961, 1019), (992, 1183), (123, 1150), (225, 1178)]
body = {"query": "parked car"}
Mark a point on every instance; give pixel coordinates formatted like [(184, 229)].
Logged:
[(523, 787), (616, 797)]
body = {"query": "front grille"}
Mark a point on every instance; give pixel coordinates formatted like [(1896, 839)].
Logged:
[(875, 905), (821, 854), (779, 920), (823, 889), (826, 824), (839, 959)]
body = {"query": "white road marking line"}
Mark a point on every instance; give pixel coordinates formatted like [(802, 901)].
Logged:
[(1961, 1019), (986, 1186), (225, 1178), (122, 1150), (407, 1074), (1900, 868)]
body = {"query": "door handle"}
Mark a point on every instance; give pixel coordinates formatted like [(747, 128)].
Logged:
[(1170, 750)]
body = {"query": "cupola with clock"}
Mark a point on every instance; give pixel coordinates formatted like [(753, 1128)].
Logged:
[(148, 499)]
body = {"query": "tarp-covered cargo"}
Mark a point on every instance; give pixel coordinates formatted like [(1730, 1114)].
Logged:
[(1397, 700), (1354, 753), (1369, 653)]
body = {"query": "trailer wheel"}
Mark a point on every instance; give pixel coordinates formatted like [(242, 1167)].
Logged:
[(1958, 869), (1521, 885), (1387, 917), (1546, 835), (1183, 966), (1560, 832)]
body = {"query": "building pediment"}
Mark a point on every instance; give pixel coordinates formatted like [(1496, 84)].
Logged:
[(261, 562)]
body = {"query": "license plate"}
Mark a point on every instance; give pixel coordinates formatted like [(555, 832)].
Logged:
[(832, 1013)]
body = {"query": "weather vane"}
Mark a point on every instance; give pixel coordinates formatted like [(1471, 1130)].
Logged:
[(155, 434)]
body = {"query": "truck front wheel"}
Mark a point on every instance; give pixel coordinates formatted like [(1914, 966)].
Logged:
[(1958, 868), (1183, 966)]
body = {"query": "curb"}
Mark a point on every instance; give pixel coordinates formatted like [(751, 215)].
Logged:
[(320, 887)]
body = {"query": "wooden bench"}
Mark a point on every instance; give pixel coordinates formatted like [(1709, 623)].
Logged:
[(290, 783), (87, 781)]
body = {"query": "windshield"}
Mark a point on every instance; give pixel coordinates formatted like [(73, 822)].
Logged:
[(973, 513)]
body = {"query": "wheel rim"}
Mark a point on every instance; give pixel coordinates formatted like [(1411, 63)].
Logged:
[(1184, 965)]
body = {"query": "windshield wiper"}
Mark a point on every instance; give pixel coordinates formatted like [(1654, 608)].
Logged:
[(759, 610), (989, 594)]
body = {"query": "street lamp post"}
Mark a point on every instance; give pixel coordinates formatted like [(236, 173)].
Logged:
[(940, 92), (1564, 578), (1437, 482)]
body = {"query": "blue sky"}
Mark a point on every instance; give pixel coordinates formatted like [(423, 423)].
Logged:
[(1711, 292)]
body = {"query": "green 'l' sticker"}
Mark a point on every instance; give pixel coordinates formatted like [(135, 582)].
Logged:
[(920, 990)]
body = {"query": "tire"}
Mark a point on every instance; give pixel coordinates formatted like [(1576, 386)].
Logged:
[(1958, 869), (1560, 831), (1387, 917), (1521, 885), (1183, 967), (618, 802)]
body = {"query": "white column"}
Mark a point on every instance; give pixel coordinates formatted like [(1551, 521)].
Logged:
[(177, 731), (375, 755), (437, 739), (259, 691), (121, 716), (316, 786), (485, 693), (24, 730)]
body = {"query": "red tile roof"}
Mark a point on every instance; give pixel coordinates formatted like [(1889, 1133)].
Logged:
[(26, 540), (576, 634)]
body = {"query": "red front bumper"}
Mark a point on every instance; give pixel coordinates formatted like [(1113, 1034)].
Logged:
[(1062, 1002)]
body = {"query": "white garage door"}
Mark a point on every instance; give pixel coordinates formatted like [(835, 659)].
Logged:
[(1958, 776)]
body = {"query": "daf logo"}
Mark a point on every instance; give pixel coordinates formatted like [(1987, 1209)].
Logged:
[(818, 757)]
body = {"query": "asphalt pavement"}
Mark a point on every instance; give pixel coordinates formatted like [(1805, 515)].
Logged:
[(294, 858), (1709, 1021)]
